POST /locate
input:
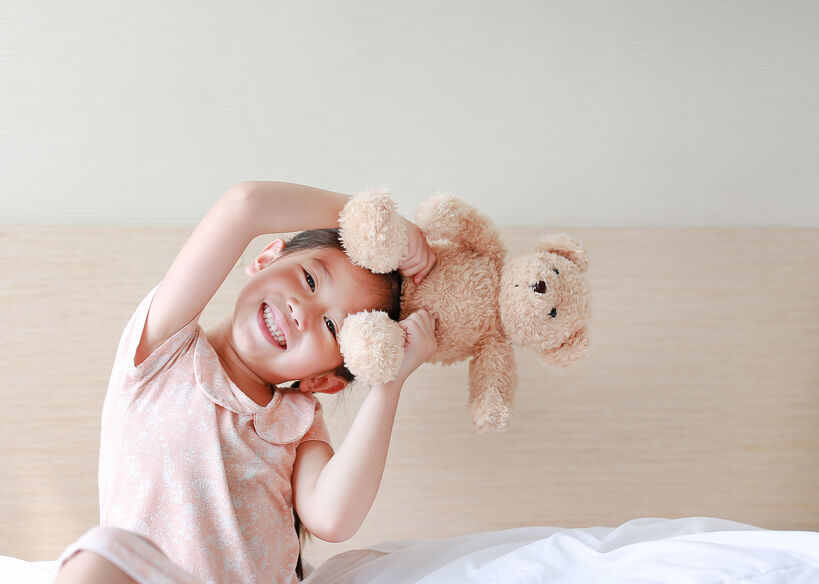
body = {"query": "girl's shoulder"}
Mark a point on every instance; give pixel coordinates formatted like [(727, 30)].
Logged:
[(290, 417)]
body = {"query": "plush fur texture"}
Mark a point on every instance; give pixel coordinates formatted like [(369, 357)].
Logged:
[(481, 303), (372, 345), (370, 233)]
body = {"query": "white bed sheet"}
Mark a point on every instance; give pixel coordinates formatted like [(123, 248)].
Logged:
[(691, 550), (14, 571), (697, 550)]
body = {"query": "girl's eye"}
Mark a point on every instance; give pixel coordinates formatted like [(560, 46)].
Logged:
[(310, 281), (330, 326)]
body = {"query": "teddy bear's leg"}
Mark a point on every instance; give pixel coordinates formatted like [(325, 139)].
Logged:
[(492, 382), (444, 216)]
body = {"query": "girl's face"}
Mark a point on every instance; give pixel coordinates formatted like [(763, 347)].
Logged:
[(288, 314)]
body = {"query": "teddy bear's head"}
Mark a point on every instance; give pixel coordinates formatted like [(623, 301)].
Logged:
[(544, 300)]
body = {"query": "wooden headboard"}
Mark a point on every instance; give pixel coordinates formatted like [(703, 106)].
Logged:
[(700, 394)]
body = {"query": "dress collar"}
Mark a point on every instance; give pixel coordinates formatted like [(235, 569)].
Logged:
[(284, 420)]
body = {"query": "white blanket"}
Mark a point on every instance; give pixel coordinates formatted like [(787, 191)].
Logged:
[(694, 550)]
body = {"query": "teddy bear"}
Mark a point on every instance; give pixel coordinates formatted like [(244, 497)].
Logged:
[(483, 304)]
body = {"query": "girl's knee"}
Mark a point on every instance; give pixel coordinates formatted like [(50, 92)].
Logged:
[(85, 567)]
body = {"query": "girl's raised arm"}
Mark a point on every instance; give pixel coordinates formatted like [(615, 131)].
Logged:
[(245, 211), (333, 493)]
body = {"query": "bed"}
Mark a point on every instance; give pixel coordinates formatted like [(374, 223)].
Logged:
[(691, 424)]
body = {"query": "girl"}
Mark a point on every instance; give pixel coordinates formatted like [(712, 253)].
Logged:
[(203, 455)]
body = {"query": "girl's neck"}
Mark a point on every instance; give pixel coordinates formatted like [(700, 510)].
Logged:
[(257, 390)]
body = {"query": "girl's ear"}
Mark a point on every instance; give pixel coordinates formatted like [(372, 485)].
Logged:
[(270, 252), (323, 383)]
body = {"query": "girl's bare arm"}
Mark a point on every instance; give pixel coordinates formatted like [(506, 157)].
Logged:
[(245, 211), (333, 493)]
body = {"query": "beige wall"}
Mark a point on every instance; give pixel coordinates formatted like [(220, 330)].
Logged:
[(594, 113), (698, 395)]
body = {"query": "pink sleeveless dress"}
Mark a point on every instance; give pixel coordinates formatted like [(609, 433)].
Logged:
[(193, 465)]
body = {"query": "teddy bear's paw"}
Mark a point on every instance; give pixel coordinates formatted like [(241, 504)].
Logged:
[(372, 346), (489, 412), (372, 232)]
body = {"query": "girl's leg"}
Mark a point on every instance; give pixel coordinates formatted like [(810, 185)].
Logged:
[(110, 554), (85, 567)]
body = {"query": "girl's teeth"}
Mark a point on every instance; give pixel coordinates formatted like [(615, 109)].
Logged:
[(271, 326)]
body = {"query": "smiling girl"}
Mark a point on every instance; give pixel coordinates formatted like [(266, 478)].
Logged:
[(204, 454)]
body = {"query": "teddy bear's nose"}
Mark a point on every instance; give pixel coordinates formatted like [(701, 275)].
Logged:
[(540, 287)]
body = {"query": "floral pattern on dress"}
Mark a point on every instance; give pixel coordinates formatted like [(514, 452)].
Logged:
[(190, 462)]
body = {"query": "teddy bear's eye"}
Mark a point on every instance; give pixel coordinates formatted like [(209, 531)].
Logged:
[(553, 313), (556, 271), (540, 287)]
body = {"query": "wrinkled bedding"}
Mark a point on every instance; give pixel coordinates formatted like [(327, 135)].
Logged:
[(690, 550)]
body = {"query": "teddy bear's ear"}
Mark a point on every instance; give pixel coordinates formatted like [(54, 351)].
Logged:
[(372, 232), (372, 346), (572, 349), (566, 246)]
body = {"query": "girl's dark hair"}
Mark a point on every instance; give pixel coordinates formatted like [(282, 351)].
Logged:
[(300, 533), (389, 290)]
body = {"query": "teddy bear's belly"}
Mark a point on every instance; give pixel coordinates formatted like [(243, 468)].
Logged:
[(465, 294)]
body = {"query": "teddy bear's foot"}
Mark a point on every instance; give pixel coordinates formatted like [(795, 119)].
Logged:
[(492, 382), (445, 216), (489, 412)]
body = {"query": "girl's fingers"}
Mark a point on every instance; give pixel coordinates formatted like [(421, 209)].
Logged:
[(415, 258), (425, 323), (429, 263), (421, 318), (420, 343), (419, 266), (419, 257)]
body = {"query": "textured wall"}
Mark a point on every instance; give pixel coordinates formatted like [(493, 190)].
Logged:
[(587, 113), (698, 395)]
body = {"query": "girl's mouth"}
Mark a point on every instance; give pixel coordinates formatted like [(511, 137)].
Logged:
[(270, 329)]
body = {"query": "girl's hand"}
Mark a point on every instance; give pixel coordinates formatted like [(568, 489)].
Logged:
[(420, 343), (333, 492), (419, 259)]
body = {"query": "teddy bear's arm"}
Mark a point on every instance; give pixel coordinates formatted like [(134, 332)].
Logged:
[(492, 382), (444, 216)]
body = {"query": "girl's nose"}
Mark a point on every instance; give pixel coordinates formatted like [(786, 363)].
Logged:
[(296, 314), (301, 313)]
